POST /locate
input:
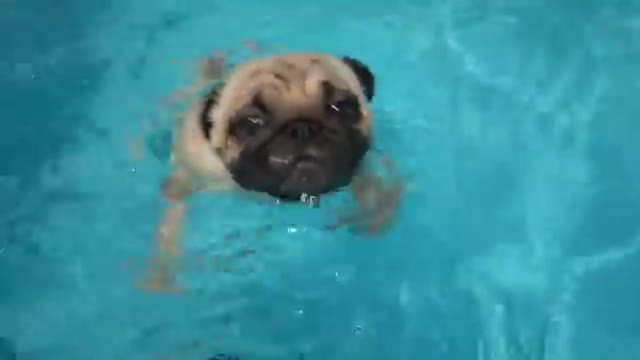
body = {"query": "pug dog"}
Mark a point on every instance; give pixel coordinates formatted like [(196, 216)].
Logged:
[(291, 127)]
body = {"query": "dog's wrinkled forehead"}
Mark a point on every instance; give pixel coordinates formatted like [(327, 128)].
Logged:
[(286, 84)]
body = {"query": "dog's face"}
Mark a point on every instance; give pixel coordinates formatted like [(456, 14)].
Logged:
[(292, 125)]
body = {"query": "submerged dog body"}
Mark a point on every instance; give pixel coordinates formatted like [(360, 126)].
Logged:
[(286, 126), (283, 125)]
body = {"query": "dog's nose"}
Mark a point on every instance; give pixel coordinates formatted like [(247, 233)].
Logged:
[(303, 129)]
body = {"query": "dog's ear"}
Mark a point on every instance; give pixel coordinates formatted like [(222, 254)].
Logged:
[(364, 74), (209, 101)]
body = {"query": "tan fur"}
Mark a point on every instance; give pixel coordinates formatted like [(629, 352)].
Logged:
[(304, 73), (193, 153)]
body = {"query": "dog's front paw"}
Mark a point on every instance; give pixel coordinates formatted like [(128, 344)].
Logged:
[(161, 277), (375, 218), (377, 203)]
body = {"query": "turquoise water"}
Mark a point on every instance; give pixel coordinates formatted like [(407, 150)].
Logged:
[(512, 120)]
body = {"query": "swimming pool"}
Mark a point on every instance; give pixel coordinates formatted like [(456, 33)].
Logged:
[(512, 121)]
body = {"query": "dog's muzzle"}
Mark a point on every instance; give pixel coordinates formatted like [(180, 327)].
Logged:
[(302, 157)]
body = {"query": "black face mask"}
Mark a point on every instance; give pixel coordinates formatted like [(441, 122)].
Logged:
[(298, 159)]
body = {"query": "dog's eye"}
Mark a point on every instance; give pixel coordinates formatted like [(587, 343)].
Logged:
[(348, 109), (255, 120), (247, 126)]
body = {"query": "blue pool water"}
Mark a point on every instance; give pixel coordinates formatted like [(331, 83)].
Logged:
[(515, 122)]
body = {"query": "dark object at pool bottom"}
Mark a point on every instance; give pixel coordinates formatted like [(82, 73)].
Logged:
[(224, 357), (7, 349)]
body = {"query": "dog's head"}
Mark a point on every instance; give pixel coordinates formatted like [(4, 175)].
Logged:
[(292, 125)]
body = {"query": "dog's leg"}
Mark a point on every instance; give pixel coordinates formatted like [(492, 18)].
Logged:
[(162, 276), (164, 265), (377, 198), (178, 185)]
